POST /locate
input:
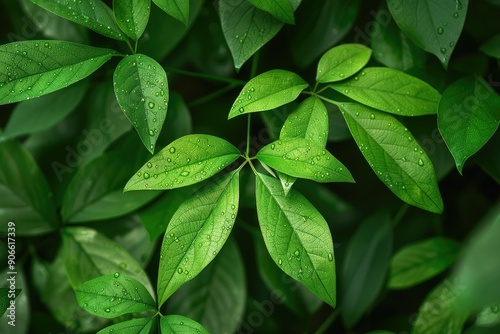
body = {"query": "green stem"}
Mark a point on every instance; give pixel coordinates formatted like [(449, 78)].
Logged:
[(212, 96), (205, 76), (321, 90), (249, 119), (255, 64), (400, 214), (328, 100), (130, 46), (324, 326)]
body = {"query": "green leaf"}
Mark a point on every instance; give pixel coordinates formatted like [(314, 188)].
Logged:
[(133, 326), (280, 9), (365, 266), (45, 111), (492, 47), (297, 237), (25, 196), (89, 254), (394, 155), (22, 308), (196, 233), (247, 28), (449, 319), (216, 297), (93, 14), (418, 262), (178, 9), (342, 62), (466, 117), (187, 160), (267, 91), (132, 16), (7, 296), (392, 91), (113, 295), (141, 88), (96, 190), (303, 158), (30, 69), (433, 25), (178, 324)]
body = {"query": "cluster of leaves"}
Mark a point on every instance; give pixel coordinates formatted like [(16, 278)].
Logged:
[(91, 235)]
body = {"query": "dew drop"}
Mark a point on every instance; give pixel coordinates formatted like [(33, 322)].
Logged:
[(241, 109), (179, 270), (443, 50), (420, 162), (357, 113), (296, 253), (146, 176), (172, 150), (107, 310), (330, 257), (440, 30), (85, 305), (341, 75), (149, 164), (372, 116), (117, 274), (280, 262), (456, 15), (185, 173)]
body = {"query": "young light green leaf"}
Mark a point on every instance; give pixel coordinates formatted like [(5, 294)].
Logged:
[(196, 233), (30, 69), (421, 261), (297, 237), (467, 117), (392, 91), (280, 9), (141, 88), (89, 254), (394, 155), (365, 266), (25, 196), (492, 47), (45, 111), (113, 295), (342, 62), (133, 326), (216, 297), (433, 25), (303, 158), (132, 16), (187, 160), (178, 9), (179, 324), (93, 14), (247, 28), (267, 91)]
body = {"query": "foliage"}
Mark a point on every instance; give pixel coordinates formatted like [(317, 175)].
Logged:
[(186, 166)]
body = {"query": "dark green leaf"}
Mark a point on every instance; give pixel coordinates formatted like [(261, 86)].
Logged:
[(25, 197), (89, 254), (216, 297), (433, 25), (342, 62), (178, 9), (392, 91), (132, 16), (303, 158), (365, 266), (187, 160), (492, 47), (141, 88), (134, 326), (30, 69), (467, 117), (93, 14), (196, 233), (280, 9), (42, 113), (177, 324), (112, 295), (394, 155), (267, 91), (418, 262), (297, 237), (247, 28)]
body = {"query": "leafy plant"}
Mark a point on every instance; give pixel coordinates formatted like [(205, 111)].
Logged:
[(252, 193)]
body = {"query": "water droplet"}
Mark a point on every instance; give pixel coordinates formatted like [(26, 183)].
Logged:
[(117, 274), (372, 116), (443, 50), (330, 257), (123, 265), (296, 253), (440, 30), (85, 305), (357, 113), (252, 89), (149, 164), (456, 15), (179, 270), (420, 162), (273, 146), (452, 44), (107, 310), (241, 109), (172, 150), (185, 173), (410, 138), (341, 75), (146, 176)]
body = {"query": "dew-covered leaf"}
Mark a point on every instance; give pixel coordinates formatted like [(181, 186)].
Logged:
[(394, 155), (132, 16), (342, 62), (133, 326), (392, 91), (141, 88), (113, 295), (196, 233), (179, 324), (297, 237), (178, 9), (280, 9), (267, 91), (187, 160), (93, 14), (30, 69), (304, 158), (467, 117), (247, 28), (418, 262), (433, 25)]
